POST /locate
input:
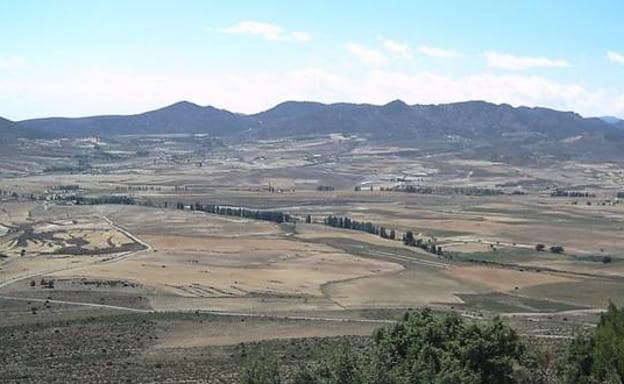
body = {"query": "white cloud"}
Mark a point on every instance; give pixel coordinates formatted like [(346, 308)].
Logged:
[(397, 48), (615, 57), (437, 52), (267, 31), (511, 62), (302, 37), (11, 63), (89, 91), (367, 55)]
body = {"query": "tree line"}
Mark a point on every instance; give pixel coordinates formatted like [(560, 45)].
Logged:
[(364, 226), (427, 347), (429, 245), (411, 188), (564, 193), (385, 233), (225, 210), (106, 199)]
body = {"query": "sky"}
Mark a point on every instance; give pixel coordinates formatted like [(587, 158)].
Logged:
[(79, 58)]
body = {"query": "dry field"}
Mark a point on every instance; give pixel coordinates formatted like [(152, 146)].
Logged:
[(197, 284), (196, 260)]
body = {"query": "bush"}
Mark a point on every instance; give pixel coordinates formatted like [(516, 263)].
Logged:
[(428, 348), (599, 356), (266, 372), (422, 348)]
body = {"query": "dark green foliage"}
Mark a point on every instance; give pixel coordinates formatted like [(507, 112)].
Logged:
[(599, 357), (68, 187), (366, 226), (563, 193), (261, 373), (444, 348), (124, 200), (304, 375), (346, 368), (348, 223), (274, 216), (408, 239), (325, 188), (424, 347)]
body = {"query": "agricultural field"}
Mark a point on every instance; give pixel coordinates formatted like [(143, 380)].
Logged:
[(156, 290)]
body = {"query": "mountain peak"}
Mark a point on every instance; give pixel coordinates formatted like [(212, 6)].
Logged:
[(396, 106), (290, 108), (184, 104), (397, 102)]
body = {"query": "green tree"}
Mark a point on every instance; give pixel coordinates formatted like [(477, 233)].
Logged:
[(599, 356), (346, 367)]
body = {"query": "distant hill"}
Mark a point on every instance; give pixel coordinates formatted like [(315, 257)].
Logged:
[(182, 117), (473, 119), (473, 128), (11, 131), (611, 119)]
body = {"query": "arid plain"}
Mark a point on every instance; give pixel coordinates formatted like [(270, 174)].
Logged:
[(171, 278)]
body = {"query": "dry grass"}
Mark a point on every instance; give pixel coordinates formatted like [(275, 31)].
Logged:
[(414, 287), (250, 330), (501, 280)]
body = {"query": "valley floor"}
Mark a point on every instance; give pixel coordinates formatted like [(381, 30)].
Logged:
[(148, 293)]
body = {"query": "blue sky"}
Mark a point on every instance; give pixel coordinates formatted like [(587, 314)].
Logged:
[(76, 58)]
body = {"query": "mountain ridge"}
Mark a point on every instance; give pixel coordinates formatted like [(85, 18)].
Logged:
[(11, 131), (486, 129)]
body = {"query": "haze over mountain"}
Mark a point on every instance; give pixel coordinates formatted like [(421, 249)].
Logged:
[(11, 131), (611, 119), (477, 126), (181, 117)]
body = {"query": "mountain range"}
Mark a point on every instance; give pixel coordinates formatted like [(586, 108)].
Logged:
[(10, 131), (611, 120), (472, 125)]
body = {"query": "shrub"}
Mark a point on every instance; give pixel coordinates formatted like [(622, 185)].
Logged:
[(266, 372), (599, 356)]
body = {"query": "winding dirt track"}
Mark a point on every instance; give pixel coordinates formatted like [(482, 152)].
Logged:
[(219, 313), (111, 259), (148, 247)]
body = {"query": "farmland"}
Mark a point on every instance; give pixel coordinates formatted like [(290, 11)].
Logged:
[(157, 289)]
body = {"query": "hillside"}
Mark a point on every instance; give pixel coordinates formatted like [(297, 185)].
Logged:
[(474, 128), (182, 117), (11, 131)]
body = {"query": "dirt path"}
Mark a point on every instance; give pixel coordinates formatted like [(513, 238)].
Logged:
[(82, 304), (219, 313), (127, 233), (571, 312), (292, 318), (110, 259)]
